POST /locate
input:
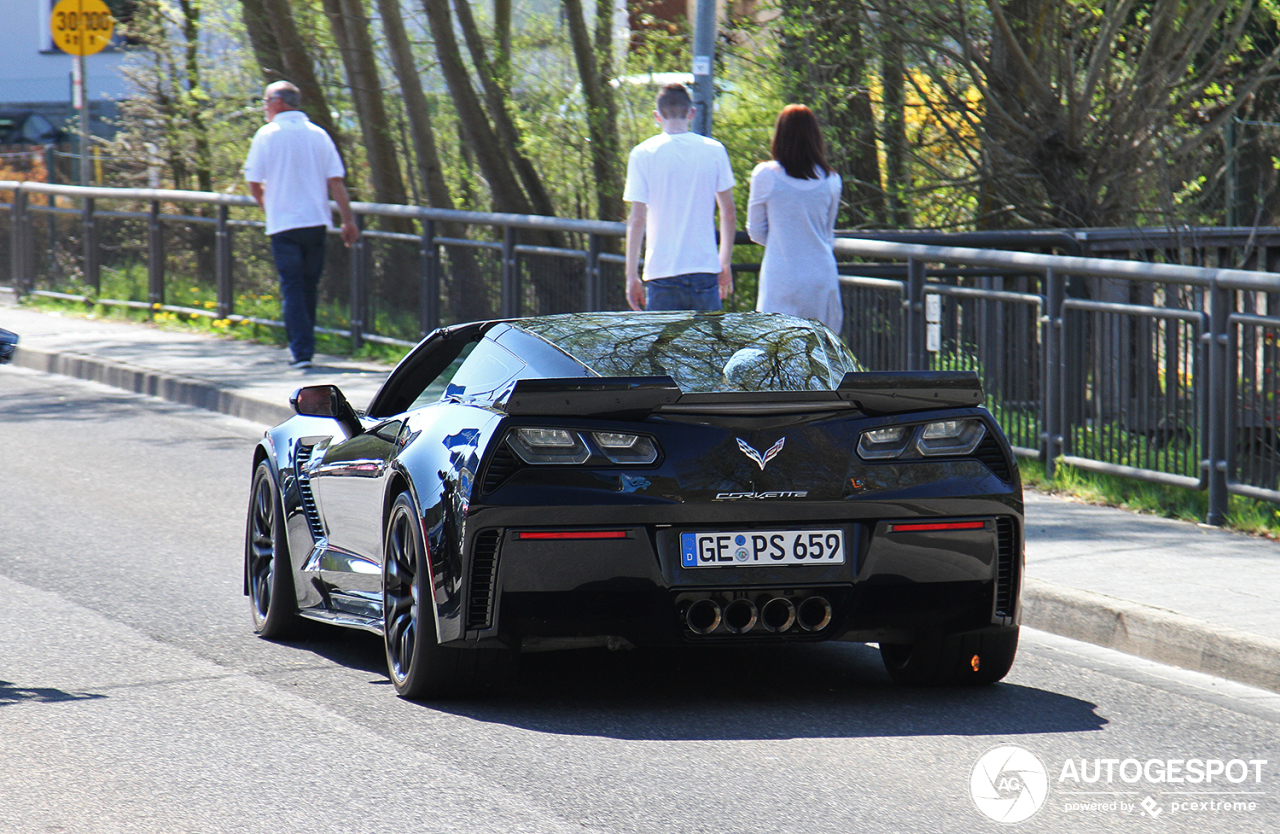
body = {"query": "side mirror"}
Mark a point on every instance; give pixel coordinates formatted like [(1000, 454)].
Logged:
[(8, 343), (326, 401)]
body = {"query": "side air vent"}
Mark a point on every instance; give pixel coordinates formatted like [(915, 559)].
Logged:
[(992, 456), (1006, 566), (309, 508), (484, 577), (501, 466)]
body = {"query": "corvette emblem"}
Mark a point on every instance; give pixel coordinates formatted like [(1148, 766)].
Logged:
[(760, 459)]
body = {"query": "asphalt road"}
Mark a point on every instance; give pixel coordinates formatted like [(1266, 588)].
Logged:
[(135, 698)]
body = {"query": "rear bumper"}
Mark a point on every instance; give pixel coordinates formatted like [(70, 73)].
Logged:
[(898, 580)]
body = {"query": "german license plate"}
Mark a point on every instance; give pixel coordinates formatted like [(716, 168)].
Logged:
[(761, 548)]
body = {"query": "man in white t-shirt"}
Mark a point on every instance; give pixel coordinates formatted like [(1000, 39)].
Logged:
[(674, 180), (293, 168)]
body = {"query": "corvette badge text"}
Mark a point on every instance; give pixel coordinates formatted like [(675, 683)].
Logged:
[(1010, 784)]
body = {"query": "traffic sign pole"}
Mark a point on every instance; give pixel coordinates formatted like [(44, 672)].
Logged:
[(84, 120), (82, 27)]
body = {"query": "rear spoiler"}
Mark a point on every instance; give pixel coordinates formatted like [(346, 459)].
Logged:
[(896, 392), (619, 397), (634, 398)]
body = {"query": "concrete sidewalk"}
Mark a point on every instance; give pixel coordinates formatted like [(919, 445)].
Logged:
[(1171, 591)]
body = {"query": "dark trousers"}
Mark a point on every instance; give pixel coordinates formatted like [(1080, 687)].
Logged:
[(693, 291), (299, 257)]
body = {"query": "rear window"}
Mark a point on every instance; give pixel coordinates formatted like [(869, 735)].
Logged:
[(703, 353)]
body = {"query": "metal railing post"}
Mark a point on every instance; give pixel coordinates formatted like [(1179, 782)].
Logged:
[(92, 275), (222, 263), (429, 301), (356, 266), (915, 315), (1220, 305), (155, 256), (17, 246), (510, 305), (1051, 397), (594, 285)]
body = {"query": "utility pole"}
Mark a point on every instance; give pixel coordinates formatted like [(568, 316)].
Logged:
[(704, 54)]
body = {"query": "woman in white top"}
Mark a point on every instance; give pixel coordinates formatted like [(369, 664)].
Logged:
[(792, 213)]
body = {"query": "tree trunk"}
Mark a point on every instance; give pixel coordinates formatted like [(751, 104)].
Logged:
[(462, 277), (897, 177), (602, 124), (299, 68), (502, 42), (504, 189), (496, 97), (263, 39), (415, 105), (350, 28)]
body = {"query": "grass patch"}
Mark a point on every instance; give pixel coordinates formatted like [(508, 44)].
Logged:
[(261, 307), (1246, 515)]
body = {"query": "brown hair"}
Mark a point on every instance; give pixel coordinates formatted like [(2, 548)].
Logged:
[(674, 101), (797, 143)]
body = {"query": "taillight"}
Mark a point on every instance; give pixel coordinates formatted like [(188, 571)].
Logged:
[(543, 445)]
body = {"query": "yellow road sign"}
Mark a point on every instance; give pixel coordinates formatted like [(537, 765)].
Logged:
[(81, 27)]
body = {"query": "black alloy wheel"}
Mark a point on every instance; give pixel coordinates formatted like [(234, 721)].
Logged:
[(951, 660), (270, 574), (418, 665)]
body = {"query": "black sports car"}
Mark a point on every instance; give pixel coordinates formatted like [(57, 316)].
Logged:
[(641, 479), (8, 344)]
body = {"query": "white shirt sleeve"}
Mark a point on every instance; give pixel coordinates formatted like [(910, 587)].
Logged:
[(757, 213), (253, 162), (724, 179), (335, 166), (636, 189), (836, 186)]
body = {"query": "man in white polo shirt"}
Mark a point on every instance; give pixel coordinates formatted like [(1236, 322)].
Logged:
[(293, 169), (674, 181)]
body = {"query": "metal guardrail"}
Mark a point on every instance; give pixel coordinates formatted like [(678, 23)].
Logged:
[(1168, 375), (1179, 385), (516, 276)]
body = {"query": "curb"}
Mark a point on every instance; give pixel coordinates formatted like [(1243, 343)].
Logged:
[(1153, 633), (178, 389)]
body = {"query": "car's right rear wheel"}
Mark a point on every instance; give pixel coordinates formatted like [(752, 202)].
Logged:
[(420, 668), (952, 659)]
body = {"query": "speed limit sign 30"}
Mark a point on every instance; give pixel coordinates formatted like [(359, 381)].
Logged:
[(81, 27)]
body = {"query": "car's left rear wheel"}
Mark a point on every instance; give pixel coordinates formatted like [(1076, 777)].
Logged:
[(419, 666), (270, 574)]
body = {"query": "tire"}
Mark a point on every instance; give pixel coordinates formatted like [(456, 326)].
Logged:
[(267, 567), (972, 659), (419, 667)]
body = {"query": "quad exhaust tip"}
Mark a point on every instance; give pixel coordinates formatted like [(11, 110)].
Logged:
[(814, 614), (778, 614), (740, 616), (775, 614), (703, 617)]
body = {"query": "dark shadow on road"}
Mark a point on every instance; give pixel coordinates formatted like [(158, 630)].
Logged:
[(808, 691), (13, 694)]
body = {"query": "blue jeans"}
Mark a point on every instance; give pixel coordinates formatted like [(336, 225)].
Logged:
[(299, 257), (694, 291)]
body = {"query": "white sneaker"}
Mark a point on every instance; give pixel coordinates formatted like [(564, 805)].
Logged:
[(300, 363)]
